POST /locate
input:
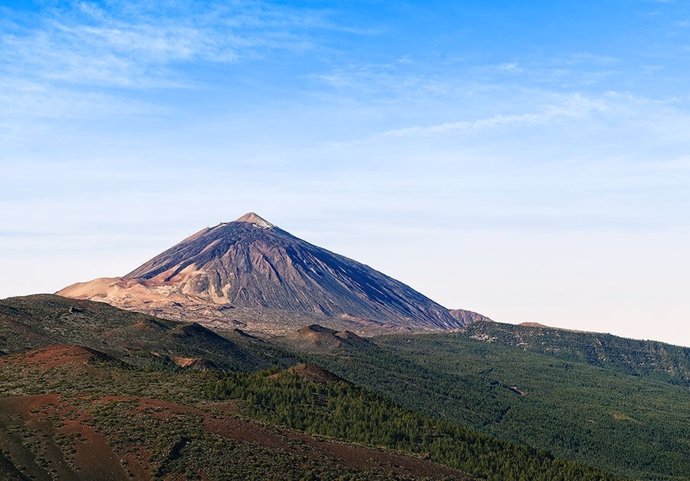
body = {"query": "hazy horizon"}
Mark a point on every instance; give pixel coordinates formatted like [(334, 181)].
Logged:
[(526, 160)]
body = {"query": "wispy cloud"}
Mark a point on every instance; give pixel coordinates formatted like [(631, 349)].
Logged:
[(129, 46), (83, 59), (570, 107), (410, 77), (395, 79)]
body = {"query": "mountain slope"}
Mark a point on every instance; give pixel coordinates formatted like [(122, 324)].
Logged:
[(245, 270), (634, 426), (41, 320), (74, 414), (652, 359), (71, 413)]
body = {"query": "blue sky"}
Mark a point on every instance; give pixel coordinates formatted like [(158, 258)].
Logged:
[(528, 160)]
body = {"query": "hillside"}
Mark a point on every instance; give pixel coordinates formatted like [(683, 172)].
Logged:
[(316, 338), (41, 320), (76, 414), (459, 384), (627, 424), (650, 359)]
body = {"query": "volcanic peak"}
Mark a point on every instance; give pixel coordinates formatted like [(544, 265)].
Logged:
[(255, 219), (251, 273)]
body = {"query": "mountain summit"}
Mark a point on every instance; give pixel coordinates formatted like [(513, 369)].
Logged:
[(257, 220), (254, 274)]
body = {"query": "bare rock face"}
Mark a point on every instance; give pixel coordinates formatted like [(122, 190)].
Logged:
[(238, 271)]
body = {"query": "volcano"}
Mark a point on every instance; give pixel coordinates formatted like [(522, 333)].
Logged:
[(252, 274)]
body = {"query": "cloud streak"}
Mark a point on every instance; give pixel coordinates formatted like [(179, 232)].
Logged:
[(131, 47), (572, 107), (88, 60)]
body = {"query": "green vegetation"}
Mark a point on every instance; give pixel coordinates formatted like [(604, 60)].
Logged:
[(138, 339), (633, 426), (490, 401), (180, 445), (166, 418), (155, 421), (344, 411), (651, 359)]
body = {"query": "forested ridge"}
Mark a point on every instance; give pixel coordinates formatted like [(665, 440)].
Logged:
[(344, 411), (633, 425), (650, 359)]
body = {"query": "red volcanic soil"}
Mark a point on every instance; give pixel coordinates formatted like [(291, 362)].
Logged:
[(362, 457), (45, 437), (33, 418), (233, 427), (316, 447), (54, 356), (94, 459)]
